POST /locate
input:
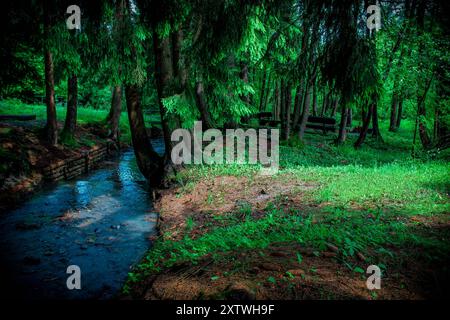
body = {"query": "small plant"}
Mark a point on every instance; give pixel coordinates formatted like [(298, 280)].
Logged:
[(272, 280), (210, 198), (299, 258), (290, 275), (245, 209), (189, 225)]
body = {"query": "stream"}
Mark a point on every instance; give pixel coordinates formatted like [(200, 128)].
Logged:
[(100, 221)]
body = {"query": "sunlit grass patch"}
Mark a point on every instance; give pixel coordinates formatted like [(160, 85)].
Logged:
[(84, 115), (417, 188)]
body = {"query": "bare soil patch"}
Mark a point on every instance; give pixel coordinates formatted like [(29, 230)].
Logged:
[(221, 196)]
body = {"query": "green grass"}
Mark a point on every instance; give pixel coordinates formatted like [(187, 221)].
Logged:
[(370, 177), (419, 188), (84, 115), (370, 196)]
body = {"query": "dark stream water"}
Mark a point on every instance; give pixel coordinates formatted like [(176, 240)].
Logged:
[(100, 222)]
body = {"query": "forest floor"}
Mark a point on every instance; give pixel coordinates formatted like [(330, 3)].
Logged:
[(309, 232)]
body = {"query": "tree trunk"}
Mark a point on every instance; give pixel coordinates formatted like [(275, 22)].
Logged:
[(365, 128), (423, 87), (266, 96), (179, 69), (305, 114), (393, 117), (244, 77), (202, 106), (283, 108), (178, 66), (71, 115), (335, 107), (342, 130), (421, 113), (176, 38), (395, 102), (113, 118), (399, 114), (375, 126), (246, 98), (51, 127), (394, 106), (163, 75), (263, 90), (436, 124), (325, 105), (314, 104), (349, 118), (424, 137), (114, 113), (286, 120), (148, 161), (276, 106), (297, 107)]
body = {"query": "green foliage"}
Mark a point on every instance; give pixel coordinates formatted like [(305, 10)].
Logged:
[(27, 77), (182, 106), (289, 41)]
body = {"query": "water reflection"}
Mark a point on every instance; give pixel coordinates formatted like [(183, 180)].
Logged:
[(100, 222), (82, 194)]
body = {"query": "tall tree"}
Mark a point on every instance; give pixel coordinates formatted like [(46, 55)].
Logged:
[(149, 162), (342, 133), (163, 77), (70, 123), (364, 128), (424, 84), (113, 118), (51, 127), (263, 91), (305, 114), (286, 103)]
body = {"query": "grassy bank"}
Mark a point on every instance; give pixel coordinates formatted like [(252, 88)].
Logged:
[(84, 115), (377, 203)]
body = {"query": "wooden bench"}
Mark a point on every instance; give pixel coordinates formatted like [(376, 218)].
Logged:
[(321, 123), (318, 123)]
